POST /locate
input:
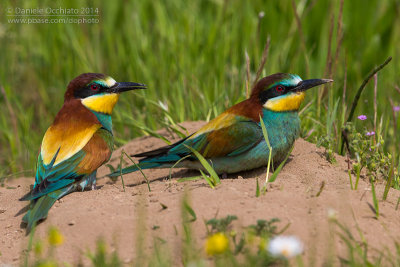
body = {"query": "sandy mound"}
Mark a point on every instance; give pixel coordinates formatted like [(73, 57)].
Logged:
[(111, 213)]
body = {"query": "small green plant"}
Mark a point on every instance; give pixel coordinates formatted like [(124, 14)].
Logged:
[(221, 225), (328, 143), (225, 243), (101, 258), (266, 228), (359, 251), (368, 150)]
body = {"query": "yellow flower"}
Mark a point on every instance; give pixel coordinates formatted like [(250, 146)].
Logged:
[(216, 244), (55, 237)]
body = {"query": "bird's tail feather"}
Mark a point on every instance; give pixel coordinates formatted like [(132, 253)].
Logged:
[(133, 168), (41, 206)]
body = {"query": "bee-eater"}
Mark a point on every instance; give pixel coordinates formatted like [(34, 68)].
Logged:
[(234, 141), (78, 142)]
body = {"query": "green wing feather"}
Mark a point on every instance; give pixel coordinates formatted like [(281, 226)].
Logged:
[(238, 135), (53, 182)]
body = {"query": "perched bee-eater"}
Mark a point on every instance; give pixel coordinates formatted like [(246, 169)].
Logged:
[(78, 142), (234, 141)]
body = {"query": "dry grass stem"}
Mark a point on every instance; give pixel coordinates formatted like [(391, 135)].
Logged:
[(263, 61)]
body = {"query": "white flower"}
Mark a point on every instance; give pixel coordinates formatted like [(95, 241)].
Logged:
[(287, 246), (332, 213)]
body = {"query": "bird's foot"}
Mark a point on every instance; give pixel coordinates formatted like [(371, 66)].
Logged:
[(224, 175)]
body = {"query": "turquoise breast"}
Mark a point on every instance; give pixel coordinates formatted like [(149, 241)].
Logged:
[(283, 129)]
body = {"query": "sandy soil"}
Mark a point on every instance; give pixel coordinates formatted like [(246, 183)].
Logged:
[(110, 213)]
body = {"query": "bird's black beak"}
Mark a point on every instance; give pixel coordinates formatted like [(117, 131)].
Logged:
[(126, 86), (307, 84)]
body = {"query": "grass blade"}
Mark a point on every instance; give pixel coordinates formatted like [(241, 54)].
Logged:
[(189, 210), (140, 169), (206, 165), (208, 180), (265, 133), (277, 171), (120, 169), (388, 182), (374, 198), (257, 188), (176, 163)]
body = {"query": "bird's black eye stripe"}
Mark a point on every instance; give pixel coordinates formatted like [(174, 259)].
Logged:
[(95, 86), (274, 91), (89, 90)]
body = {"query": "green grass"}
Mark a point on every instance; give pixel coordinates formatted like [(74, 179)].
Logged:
[(191, 54)]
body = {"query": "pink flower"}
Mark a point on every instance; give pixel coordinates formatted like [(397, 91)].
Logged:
[(370, 133), (362, 117), (396, 108)]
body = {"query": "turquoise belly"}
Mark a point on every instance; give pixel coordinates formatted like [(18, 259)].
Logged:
[(283, 129)]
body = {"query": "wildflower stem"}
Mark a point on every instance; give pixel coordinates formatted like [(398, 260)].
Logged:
[(358, 95), (375, 105), (263, 61), (359, 91)]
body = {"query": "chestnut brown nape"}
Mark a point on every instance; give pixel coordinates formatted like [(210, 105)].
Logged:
[(265, 82), (80, 82)]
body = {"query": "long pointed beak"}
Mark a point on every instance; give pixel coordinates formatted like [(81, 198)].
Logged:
[(307, 84), (126, 86)]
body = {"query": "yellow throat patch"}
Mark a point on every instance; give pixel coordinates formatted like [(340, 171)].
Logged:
[(103, 103), (289, 102)]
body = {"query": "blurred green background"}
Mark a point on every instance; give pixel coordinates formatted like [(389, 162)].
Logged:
[(191, 54)]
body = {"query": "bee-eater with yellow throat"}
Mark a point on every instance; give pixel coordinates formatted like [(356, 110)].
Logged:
[(234, 141), (78, 142)]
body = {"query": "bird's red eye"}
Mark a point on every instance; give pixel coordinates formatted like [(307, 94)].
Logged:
[(279, 88), (94, 87)]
